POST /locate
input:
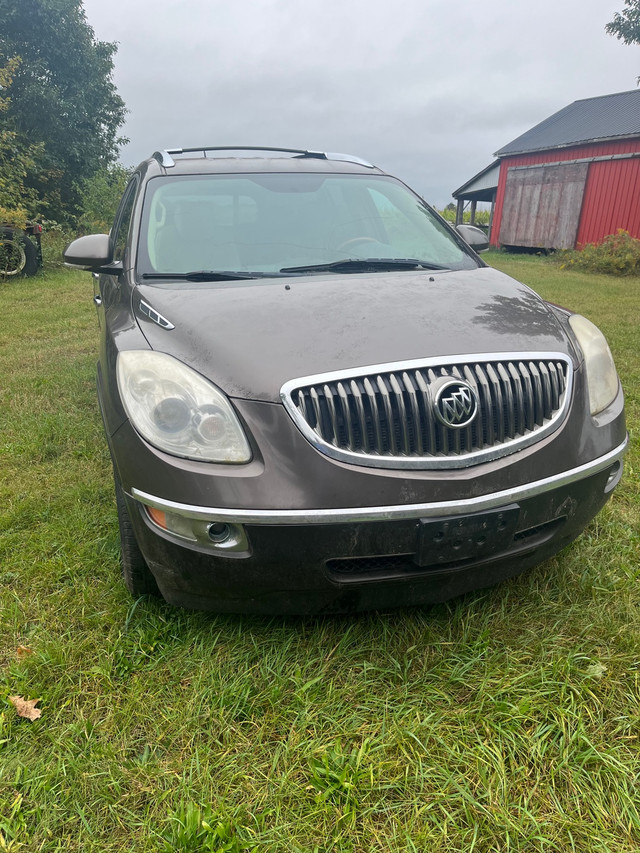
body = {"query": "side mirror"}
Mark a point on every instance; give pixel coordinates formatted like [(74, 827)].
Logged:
[(92, 252), (475, 237)]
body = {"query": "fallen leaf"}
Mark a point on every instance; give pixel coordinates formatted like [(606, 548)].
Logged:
[(23, 652), (26, 707), (596, 670)]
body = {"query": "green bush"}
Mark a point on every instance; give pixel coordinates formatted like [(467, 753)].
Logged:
[(101, 195), (54, 239), (618, 254)]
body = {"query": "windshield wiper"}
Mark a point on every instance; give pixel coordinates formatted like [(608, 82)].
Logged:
[(202, 275), (366, 265)]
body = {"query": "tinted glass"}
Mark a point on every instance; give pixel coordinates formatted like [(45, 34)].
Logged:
[(265, 222)]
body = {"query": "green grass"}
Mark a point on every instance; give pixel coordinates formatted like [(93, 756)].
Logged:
[(508, 720)]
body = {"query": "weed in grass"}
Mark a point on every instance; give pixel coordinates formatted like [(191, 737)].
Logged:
[(195, 829), (338, 777)]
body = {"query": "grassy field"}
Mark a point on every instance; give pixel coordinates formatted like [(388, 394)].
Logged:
[(508, 720)]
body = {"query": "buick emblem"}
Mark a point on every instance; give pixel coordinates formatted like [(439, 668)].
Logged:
[(456, 404)]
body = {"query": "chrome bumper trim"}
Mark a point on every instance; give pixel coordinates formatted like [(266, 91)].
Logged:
[(344, 515)]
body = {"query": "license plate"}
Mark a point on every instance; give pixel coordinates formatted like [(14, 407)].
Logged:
[(455, 538)]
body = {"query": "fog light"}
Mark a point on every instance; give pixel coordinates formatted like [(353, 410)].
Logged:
[(614, 477), (212, 535), (218, 532)]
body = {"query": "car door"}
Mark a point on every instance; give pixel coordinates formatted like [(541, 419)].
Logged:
[(113, 310), (105, 285)]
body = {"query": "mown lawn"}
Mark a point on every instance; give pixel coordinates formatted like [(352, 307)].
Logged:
[(508, 720)]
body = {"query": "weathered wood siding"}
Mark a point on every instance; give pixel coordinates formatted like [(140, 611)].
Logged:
[(542, 205), (612, 190)]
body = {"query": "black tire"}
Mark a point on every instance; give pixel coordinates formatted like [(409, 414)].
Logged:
[(137, 576), (18, 255)]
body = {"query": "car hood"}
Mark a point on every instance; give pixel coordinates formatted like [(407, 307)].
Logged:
[(250, 337)]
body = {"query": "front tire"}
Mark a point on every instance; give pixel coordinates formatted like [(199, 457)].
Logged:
[(137, 576)]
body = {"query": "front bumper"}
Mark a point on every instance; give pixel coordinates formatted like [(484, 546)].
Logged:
[(348, 515), (346, 559)]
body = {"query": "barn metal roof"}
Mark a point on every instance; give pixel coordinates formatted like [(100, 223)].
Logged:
[(590, 120)]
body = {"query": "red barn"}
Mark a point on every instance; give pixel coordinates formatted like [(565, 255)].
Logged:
[(570, 180)]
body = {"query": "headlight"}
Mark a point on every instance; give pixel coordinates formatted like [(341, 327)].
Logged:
[(602, 378), (177, 410)]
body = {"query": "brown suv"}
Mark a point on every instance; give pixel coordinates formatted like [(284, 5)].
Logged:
[(318, 398)]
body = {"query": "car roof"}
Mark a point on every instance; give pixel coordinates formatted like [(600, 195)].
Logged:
[(235, 160)]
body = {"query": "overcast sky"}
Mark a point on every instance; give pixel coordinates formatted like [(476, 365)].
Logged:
[(426, 89)]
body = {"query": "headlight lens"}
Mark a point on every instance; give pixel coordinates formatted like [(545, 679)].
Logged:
[(602, 378), (177, 410)]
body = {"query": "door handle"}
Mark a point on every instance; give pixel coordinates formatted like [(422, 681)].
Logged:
[(97, 300)]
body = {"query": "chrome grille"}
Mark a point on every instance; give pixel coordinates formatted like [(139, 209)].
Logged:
[(384, 416)]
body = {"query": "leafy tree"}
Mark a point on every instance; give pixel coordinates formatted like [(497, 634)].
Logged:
[(61, 96), (17, 202), (626, 24), (100, 196)]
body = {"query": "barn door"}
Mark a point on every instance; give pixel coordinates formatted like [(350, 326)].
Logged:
[(542, 205)]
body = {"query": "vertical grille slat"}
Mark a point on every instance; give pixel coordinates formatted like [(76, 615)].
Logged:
[(315, 402), (528, 396), (391, 442), (509, 404), (555, 384), (415, 413), (375, 416), (361, 420), (538, 415), (391, 414), (349, 422), (496, 401), (546, 388), (519, 396), (333, 415), (486, 437), (304, 408), (404, 420), (429, 419)]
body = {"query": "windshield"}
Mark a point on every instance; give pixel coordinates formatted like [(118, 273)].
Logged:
[(277, 223)]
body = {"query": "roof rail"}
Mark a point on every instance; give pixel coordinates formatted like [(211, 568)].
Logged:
[(165, 159)]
